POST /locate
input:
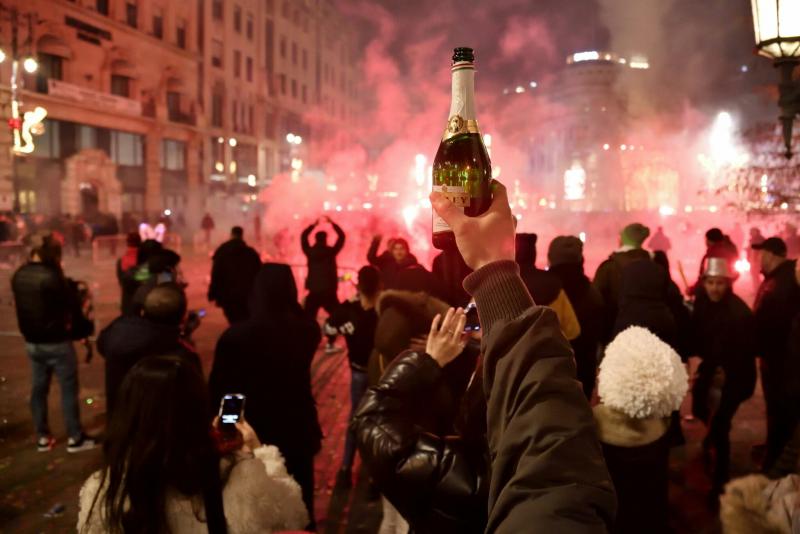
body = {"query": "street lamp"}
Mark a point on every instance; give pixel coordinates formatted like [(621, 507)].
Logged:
[(777, 32)]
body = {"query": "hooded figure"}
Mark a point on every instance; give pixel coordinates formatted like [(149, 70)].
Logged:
[(641, 381), (544, 287), (235, 265), (268, 359)]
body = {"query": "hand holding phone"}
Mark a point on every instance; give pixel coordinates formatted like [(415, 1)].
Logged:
[(231, 411), (473, 324)]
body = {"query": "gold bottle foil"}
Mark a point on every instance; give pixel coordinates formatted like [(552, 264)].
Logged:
[(457, 125)]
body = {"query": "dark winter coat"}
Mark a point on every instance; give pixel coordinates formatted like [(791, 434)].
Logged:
[(438, 480), (548, 472), (130, 338), (268, 359), (44, 302), (323, 276), (588, 306), (643, 301), (403, 315), (449, 270), (777, 305), (235, 266), (387, 265), (543, 286), (608, 281), (723, 335), (357, 325)]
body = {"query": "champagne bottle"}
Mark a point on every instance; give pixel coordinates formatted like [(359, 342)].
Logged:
[(461, 170)]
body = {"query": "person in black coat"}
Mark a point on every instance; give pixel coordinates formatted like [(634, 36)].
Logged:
[(234, 268), (268, 359), (436, 476), (396, 258), (565, 257), (322, 282), (777, 305), (723, 335), (130, 338), (643, 301)]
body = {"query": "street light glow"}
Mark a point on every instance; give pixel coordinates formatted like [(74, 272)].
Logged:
[(2, 55), (30, 65), (232, 141), (290, 138)]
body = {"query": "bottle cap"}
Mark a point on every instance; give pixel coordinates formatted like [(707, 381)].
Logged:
[(463, 54)]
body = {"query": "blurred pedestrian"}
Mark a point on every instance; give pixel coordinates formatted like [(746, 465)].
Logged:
[(267, 357), (207, 225), (126, 265), (565, 257), (641, 382), (322, 282), (545, 287), (394, 259), (659, 241), (48, 311), (777, 305), (234, 267), (756, 238), (163, 470), (608, 278), (356, 320), (723, 336), (792, 239)]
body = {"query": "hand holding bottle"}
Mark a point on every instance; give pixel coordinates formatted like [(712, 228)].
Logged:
[(483, 239)]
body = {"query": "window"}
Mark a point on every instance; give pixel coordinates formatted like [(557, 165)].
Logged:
[(217, 9), (127, 149), (305, 94), (180, 34), (216, 53), (50, 67), (132, 14), (237, 19), (48, 145), (249, 28), (305, 59), (285, 9), (283, 47), (269, 124), (294, 88), (174, 106), (158, 23), (217, 105), (235, 109), (250, 118), (249, 69), (86, 137), (173, 155), (294, 53), (282, 81), (101, 6), (120, 85), (237, 64), (270, 6), (296, 18)]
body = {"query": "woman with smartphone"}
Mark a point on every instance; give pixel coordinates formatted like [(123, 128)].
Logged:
[(165, 472)]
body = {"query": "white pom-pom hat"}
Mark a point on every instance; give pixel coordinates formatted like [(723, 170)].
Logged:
[(641, 376)]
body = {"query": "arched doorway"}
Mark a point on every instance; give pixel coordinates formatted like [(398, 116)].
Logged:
[(90, 185), (90, 200)]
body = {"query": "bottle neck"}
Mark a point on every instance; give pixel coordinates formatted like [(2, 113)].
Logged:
[(462, 102)]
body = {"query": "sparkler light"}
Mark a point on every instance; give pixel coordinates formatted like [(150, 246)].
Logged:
[(742, 266)]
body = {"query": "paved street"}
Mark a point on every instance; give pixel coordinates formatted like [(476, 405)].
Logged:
[(31, 483)]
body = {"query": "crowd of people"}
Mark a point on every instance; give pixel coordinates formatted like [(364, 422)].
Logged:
[(555, 410)]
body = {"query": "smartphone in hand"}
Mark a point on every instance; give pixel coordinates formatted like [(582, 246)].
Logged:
[(231, 411), (473, 323)]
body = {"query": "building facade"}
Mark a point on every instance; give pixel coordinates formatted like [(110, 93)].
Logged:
[(157, 105)]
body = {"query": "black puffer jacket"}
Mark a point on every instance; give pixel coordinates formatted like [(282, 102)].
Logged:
[(643, 301), (44, 303), (437, 480)]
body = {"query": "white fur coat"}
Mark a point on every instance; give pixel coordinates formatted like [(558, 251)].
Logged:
[(259, 496)]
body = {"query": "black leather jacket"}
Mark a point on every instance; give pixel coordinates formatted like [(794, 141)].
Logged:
[(44, 303), (438, 482)]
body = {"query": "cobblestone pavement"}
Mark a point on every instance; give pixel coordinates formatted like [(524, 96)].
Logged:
[(32, 483)]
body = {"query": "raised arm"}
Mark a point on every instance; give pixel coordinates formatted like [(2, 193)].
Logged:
[(304, 238), (339, 245), (372, 253), (548, 468)]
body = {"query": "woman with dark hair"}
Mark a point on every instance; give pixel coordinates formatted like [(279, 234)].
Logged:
[(163, 471), (268, 358)]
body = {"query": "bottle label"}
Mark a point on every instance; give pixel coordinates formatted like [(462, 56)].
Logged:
[(457, 125), (455, 194)]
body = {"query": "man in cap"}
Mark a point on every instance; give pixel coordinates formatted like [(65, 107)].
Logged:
[(608, 278), (777, 305), (722, 329)]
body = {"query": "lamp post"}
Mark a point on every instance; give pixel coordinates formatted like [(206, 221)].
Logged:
[(22, 125), (777, 32)]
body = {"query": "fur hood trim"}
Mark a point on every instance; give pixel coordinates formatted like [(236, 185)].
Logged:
[(618, 429), (756, 504), (418, 303), (641, 376)]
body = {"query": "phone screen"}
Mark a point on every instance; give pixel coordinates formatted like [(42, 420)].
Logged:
[(201, 312), (231, 409), (473, 323)]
